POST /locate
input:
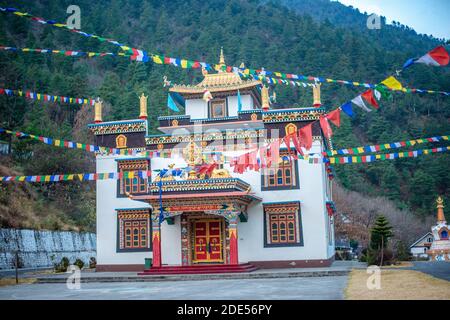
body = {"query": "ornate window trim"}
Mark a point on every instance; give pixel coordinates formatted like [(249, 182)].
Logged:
[(128, 222), (214, 102), (289, 175), (136, 185), (275, 216)]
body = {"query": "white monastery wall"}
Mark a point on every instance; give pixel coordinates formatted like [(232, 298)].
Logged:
[(107, 203)]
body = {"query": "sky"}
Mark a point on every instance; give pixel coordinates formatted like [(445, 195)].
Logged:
[(424, 16)]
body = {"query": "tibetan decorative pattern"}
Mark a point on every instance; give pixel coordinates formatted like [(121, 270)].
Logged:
[(201, 185), (133, 164), (133, 230), (231, 134), (118, 127), (291, 115), (281, 207)]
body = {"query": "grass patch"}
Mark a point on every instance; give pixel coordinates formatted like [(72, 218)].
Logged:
[(401, 264), (397, 285), (12, 281)]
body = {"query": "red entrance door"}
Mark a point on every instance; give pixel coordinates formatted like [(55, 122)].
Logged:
[(208, 241)]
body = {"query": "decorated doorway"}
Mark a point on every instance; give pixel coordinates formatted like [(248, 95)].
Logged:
[(207, 242)]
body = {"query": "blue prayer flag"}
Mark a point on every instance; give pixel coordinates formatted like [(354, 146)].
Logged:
[(171, 104), (347, 108), (239, 101)]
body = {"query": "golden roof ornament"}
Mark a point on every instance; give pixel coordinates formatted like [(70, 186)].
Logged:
[(143, 107), (440, 209), (98, 110), (222, 64), (316, 95), (265, 104)]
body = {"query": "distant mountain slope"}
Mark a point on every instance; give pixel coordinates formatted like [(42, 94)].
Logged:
[(317, 38)]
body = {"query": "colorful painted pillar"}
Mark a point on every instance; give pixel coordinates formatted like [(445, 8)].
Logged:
[(233, 236), (156, 243)]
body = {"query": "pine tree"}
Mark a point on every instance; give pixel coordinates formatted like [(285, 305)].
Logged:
[(380, 234)]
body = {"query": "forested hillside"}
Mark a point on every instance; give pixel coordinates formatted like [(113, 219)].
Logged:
[(316, 38)]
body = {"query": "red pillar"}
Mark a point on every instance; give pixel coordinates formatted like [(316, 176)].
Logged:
[(156, 245), (233, 235)]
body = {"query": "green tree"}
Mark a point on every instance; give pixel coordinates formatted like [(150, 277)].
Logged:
[(380, 233)]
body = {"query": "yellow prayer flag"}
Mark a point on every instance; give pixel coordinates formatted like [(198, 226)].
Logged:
[(183, 63), (278, 74), (22, 178), (445, 137), (377, 156), (360, 150), (392, 83), (354, 159), (125, 48), (70, 177), (59, 25), (47, 178), (332, 160), (355, 83), (79, 146), (20, 92), (91, 54), (80, 176), (56, 142), (25, 49), (157, 59), (38, 96)]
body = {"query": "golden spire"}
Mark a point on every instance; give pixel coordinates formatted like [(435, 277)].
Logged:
[(221, 61), (316, 95), (440, 209), (98, 111), (143, 106), (265, 98)]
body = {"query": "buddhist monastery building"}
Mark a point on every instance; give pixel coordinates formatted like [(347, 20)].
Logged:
[(182, 217)]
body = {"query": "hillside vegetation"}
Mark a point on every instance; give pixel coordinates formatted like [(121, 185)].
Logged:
[(316, 38)]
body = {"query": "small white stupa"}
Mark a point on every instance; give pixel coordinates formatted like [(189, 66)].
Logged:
[(440, 248)]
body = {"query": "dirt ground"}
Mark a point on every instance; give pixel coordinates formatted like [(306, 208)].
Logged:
[(397, 285)]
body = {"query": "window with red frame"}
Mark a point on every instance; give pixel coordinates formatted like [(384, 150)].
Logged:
[(283, 175), (136, 184)]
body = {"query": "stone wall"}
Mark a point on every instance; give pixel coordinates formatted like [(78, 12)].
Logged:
[(44, 248)]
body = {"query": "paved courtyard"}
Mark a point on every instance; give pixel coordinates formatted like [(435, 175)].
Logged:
[(311, 288)]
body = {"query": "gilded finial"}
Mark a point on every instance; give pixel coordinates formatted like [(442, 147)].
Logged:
[(265, 98), (222, 65), (222, 58), (440, 209), (316, 95), (143, 106), (98, 110)]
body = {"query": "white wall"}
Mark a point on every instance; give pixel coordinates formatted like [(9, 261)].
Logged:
[(313, 214), (171, 242), (107, 203), (247, 104), (251, 234), (198, 108)]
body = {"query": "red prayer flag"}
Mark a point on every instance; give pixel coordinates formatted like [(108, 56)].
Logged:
[(335, 117), (326, 128), (369, 97), (305, 136)]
